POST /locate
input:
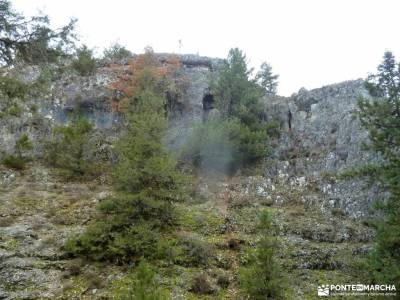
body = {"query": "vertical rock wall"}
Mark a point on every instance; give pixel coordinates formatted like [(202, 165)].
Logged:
[(325, 139)]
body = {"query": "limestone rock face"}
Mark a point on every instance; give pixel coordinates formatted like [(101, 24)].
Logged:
[(320, 137), (92, 95)]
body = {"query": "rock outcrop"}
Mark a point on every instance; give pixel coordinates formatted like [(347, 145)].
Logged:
[(321, 135)]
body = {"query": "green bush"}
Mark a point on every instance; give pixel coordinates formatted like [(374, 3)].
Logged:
[(273, 129), (12, 87), (262, 279), (14, 162), (116, 52), (84, 62), (195, 250), (169, 250), (223, 280), (14, 110), (93, 280), (69, 150), (22, 146), (201, 285), (106, 241), (145, 285)]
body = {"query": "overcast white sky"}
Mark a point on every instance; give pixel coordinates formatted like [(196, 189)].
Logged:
[(309, 43)]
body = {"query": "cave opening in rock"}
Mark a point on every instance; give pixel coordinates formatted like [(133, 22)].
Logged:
[(208, 105), (290, 119)]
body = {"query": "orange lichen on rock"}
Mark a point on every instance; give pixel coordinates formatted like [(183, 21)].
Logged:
[(142, 71)]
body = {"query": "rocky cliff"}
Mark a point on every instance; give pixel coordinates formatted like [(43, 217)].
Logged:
[(322, 137), (317, 214), (320, 134)]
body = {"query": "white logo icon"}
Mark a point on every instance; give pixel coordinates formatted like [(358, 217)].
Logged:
[(323, 290)]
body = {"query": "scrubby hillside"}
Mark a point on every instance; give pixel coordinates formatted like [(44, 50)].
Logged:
[(215, 233)]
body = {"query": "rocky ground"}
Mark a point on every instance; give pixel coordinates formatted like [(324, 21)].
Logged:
[(38, 211)]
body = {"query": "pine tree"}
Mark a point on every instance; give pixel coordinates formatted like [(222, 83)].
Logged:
[(68, 148), (239, 137), (145, 286), (31, 40), (237, 95), (381, 117), (146, 181), (239, 99), (266, 79), (84, 62), (263, 278), (145, 169), (23, 144)]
